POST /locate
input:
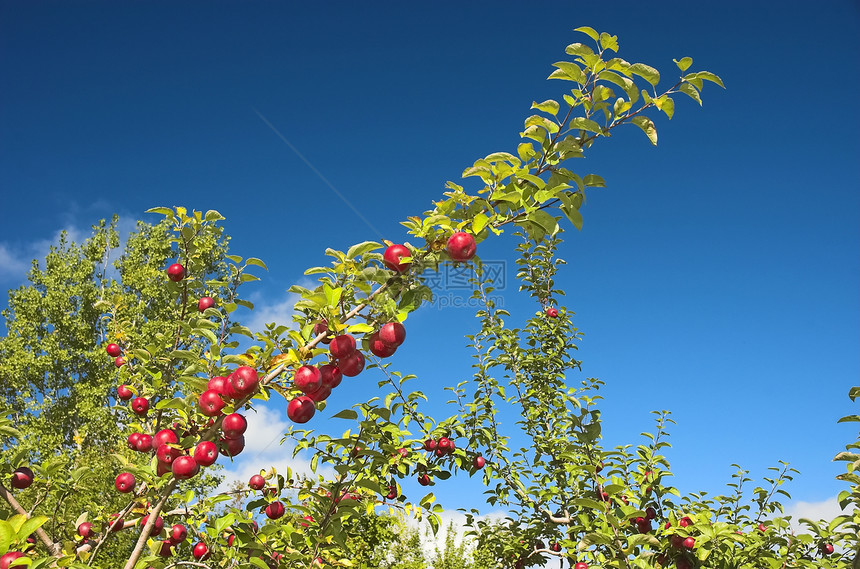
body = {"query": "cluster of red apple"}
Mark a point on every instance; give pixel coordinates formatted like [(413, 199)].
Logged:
[(461, 247)]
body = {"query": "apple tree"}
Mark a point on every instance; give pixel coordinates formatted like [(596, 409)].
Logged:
[(185, 380)]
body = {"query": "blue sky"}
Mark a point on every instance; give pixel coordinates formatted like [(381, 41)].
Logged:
[(717, 275)]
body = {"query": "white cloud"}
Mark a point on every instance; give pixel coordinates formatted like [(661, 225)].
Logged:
[(825, 510), (431, 543), (265, 313), (13, 264)]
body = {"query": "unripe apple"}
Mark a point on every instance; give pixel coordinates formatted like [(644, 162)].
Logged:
[(552, 312), (275, 510), (244, 380), (206, 453), (321, 328), (119, 362), (124, 393), (342, 346), (380, 348), (166, 454), (307, 378), (176, 272), (320, 394), (234, 426), (210, 403), (163, 437), (125, 482), (205, 302), (478, 462), (178, 533), (392, 256), (256, 482), (301, 409), (7, 559), (461, 246), (352, 364), (85, 530), (185, 467), (22, 478), (330, 375), (200, 551), (392, 333), (144, 443), (140, 405), (113, 350), (157, 525), (232, 447)]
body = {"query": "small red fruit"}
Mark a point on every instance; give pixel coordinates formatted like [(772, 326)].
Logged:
[(133, 440), (206, 453), (166, 549), (124, 393), (205, 302), (234, 426), (352, 364), (22, 478), (244, 380), (827, 549), (115, 523), (140, 405), (424, 480), (320, 394), (157, 525), (685, 521), (380, 348), (275, 510), (7, 559), (119, 362), (200, 551), (392, 258), (144, 443), (555, 546), (392, 492), (113, 350), (321, 328), (233, 447), (581, 565), (461, 246), (308, 379), (210, 403), (222, 386), (392, 333), (690, 542), (166, 454), (178, 533), (176, 272), (185, 467), (308, 518), (85, 530), (257, 482), (330, 375), (478, 462), (301, 409), (125, 482), (163, 437), (650, 513), (341, 346), (552, 312), (430, 444)]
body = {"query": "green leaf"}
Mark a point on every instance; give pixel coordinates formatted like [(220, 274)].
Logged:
[(347, 414), (257, 562), (360, 328), (543, 122), (479, 222), (590, 32), (647, 126), (668, 107), (708, 76), (646, 72), (503, 156), (548, 106), (594, 181), (361, 248), (578, 49), (691, 91), (585, 124), (161, 210), (684, 64), (257, 262), (589, 503), (608, 42), (568, 71), (595, 538), (7, 533), (547, 222), (30, 526)]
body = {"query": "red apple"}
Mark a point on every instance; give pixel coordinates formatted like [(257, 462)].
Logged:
[(140, 405), (320, 394), (827, 549), (307, 378), (380, 348), (7, 559), (115, 523), (392, 492), (685, 521), (124, 393), (424, 480), (113, 350), (430, 444), (222, 386), (275, 510), (200, 551), (205, 302), (257, 482), (119, 362), (352, 364), (163, 437), (232, 447), (308, 518), (144, 443), (206, 453), (234, 426), (185, 467), (157, 525), (166, 454), (650, 513), (22, 478), (176, 272), (125, 482), (444, 444), (321, 328), (210, 403), (244, 380), (85, 530), (392, 256), (581, 565), (690, 542), (392, 333), (341, 346), (478, 462), (301, 409), (330, 375), (552, 312), (461, 246)]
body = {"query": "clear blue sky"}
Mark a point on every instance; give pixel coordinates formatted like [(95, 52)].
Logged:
[(716, 276)]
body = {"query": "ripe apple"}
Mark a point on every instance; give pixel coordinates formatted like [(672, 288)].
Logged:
[(232, 447), (392, 492), (234, 426), (403, 452), (119, 362), (22, 478), (124, 393), (321, 327), (157, 525), (231, 539), (430, 444), (443, 444), (140, 405), (256, 482), (176, 272), (244, 380), (439, 452), (352, 364), (478, 462), (308, 379), (762, 528), (222, 386), (178, 533), (206, 453), (424, 480), (200, 551), (144, 443), (309, 519), (461, 246), (827, 549), (301, 409), (85, 530), (392, 256), (185, 467), (125, 482), (555, 546), (330, 375), (552, 312), (690, 542), (676, 541), (650, 513), (163, 437), (205, 302), (581, 565), (113, 350), (644, 526), (275, 510), (685, 521), (115, 523), (392, 333), (682, 563), (166, 549), (210, 403), (380, 348), (7, 559), (166, 454), (320, 394), (342, 346)]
